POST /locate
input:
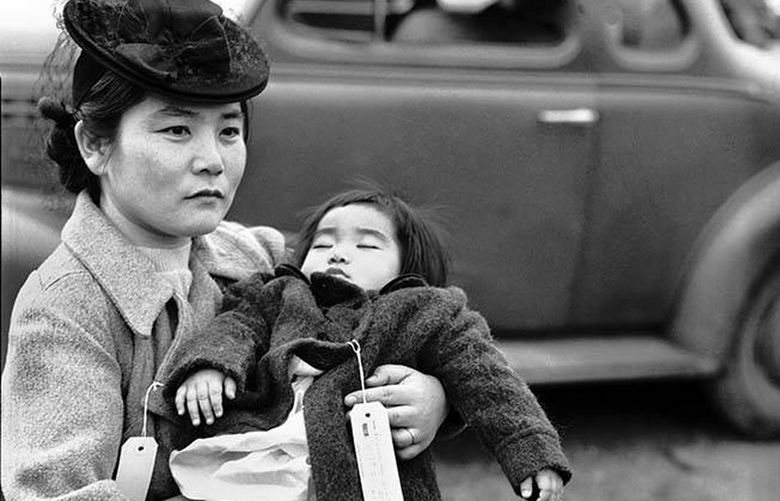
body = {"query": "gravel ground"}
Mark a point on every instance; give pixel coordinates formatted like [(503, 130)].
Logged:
[(630, 442)]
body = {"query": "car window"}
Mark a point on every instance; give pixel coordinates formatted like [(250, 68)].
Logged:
[(433, 22), (756, 22), (650, 25), (348, 20)]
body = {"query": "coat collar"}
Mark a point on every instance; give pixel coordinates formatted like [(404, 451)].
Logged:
[(126, 275), (329, 290)]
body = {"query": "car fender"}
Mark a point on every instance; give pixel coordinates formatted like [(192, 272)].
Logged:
[(739, 245)]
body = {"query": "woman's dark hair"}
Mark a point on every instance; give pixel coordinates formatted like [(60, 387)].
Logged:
[(101, 112), (422, 250)]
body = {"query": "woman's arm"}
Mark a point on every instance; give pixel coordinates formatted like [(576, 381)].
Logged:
[(62, 407), (417, 406)]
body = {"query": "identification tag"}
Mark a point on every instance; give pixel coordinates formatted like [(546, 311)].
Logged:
[(136, 463), (375, 454)]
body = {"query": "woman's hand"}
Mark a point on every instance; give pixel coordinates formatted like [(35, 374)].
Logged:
[(416, 406)]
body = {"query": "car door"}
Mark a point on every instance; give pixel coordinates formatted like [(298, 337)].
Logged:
[(498, 135), (680, 132)]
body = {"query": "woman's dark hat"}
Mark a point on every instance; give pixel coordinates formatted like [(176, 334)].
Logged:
[(185, 49)]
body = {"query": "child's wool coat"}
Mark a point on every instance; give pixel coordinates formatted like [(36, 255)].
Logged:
[(406, 323)]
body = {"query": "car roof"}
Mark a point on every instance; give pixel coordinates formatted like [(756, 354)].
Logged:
[(28, 28)]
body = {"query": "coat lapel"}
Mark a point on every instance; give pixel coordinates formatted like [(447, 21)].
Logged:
[(127, 276)]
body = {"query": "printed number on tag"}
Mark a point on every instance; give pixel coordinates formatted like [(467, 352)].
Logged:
[(136, 462), (375, 454)]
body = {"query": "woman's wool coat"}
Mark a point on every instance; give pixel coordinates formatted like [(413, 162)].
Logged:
[(407, 323), (89, 331)]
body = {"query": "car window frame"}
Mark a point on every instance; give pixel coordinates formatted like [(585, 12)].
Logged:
[(297, 41), (644, 60)]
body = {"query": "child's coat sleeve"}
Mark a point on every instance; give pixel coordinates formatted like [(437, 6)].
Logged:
[(494, 401), (230, 343)]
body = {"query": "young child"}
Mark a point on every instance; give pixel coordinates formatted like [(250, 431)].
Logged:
[(371, 270)]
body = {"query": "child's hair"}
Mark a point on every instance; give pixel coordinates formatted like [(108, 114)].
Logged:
[(422, 250)]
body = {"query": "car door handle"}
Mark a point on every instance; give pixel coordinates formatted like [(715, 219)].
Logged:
[(576, 116)]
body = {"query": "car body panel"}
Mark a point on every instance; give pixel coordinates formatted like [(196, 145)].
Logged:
[(514, 181), (669, 111), (638, 215)]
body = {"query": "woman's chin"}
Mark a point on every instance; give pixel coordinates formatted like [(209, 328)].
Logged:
[(200, 228), (206, 222)]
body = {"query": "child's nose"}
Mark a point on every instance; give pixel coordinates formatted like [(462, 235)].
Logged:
[(337, 256)]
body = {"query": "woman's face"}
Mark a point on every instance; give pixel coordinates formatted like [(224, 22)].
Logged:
[(173, 170)]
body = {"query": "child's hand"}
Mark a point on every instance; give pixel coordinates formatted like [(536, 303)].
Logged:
[(204, 390), (550, 486)]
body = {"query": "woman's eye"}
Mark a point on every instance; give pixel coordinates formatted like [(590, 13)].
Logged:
[(177, 130), (232, 132), (367, 246), (320, 246)]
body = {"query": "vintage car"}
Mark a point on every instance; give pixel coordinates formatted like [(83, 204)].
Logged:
[(608, 170)]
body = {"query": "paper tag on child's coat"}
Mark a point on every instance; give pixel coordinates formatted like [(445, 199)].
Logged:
[(136, 463), (375, 454)]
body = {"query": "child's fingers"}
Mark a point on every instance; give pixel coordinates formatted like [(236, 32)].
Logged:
[(527, 487), (181, 396), (192, 405), (230, 387), (545, 487), (550, 486), (204, 402), (215, 395), (557, 489)]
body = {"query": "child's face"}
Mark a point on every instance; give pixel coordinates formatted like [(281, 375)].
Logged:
[(357, 243)]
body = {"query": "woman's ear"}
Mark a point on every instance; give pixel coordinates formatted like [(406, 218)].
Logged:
[(94, 150)]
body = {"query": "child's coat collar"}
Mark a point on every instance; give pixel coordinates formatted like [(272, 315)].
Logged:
[(329, 290)]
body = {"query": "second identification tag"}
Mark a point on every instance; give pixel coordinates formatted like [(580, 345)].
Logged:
[(374, 451)]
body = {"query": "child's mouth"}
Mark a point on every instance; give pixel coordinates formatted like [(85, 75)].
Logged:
[(336, 271)]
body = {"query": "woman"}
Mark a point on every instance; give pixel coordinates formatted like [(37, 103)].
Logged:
[(155, 150)]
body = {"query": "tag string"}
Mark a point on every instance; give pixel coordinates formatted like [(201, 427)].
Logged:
[(152, 386), (356, 348)]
